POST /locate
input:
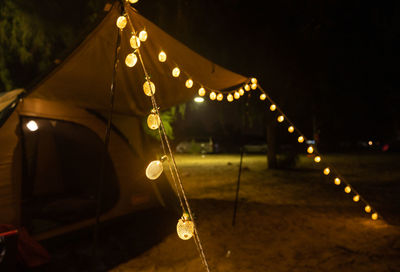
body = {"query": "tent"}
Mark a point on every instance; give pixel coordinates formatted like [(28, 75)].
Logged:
[(52, 135)]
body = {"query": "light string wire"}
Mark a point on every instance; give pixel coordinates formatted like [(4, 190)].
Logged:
[(155, 106)]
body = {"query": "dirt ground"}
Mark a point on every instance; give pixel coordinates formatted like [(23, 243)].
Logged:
[(287, 220)]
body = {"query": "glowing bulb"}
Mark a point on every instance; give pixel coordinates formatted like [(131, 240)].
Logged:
[(337, 181), (149, 88), (253, 86), (229, 97), (356, 198), (154, 170), (300, 139), (130, 60), (263, 96), (121, 22), (290, 129), (133, 1), (143, 35), (32, 125), (327, 171), (162, 56), (236, 95), (272, 107), (280, 118), (370, 143), (198, 99), (347, 189), (202, 91), (247, 87), (367, 209), (213, 95), (317, 159), (254, 80), (220, 97), (189, 83), (241, 91), (310, 149), (185, 229), (374, 216), (135, 42), (176, 72), (153, 120)]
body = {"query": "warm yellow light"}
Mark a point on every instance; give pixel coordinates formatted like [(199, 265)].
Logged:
[(347, 189), (130, 60), (254, 80), (356, 198), (149, 88), (220, 97), (189, 83), (176, 72), (229, 97), (202, 91), (213, 95), (253, 86), (236, 95), (154, 170), (317, 159), (310, 149), (337, 181), (280, 118), (143, 35), (198, 99), (367, 209), (374, 216), (241, 91), (185, 229), (133, 1), (263, 96), (121, 22), (247, 87), (370, 143), (162, 56), (300, 139), (135, 42), (32, 125), (290, 129), (153, 120), (327, 171), (272, 107)]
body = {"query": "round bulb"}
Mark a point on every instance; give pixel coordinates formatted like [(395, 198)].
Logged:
[(121, 22), (236, 95), (202, 91), (153, 121), (220, 97), (189, 83), (176, 72), (317, 159), (133, 1), (300, 139), (337, 181), (374, 216), (162, 56), (241, 91), (185, 229), (310, 149), (280, 118), (229, 97), (347, 189), (327, 171), (367, 209), (135, 42), (32, 125), (247, 87), (290, 129), (263, 96), (272, 107), (131, 60), (356, 198), (143, 35), (254, 80), (154, 170), (149, 88), (213, 95), (253, 86)]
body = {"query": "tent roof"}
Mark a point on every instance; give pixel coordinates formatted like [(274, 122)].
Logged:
[(84, 77)]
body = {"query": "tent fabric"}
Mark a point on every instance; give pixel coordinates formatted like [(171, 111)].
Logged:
[(84, 78)]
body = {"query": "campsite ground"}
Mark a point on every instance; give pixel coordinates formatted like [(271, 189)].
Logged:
[(287, 220)]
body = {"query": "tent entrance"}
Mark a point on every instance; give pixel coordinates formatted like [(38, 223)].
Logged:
[(61, 168)]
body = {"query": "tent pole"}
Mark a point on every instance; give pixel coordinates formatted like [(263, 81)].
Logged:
[(237, 187), (106, 144)]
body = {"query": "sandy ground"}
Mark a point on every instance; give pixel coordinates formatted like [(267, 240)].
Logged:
[(287, 220)]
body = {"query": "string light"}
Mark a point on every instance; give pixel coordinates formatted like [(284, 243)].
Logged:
[(247, 87), (143, 35), (131, 60), (272, 107), (220, 97), (229, 97), (155, 168), (367, 209), (356, 198), (153, 120), (337, 181), (202, 91), (189, 83), (133, 1), (290, 129), (263, 96), (162, 56), (300, 139), (121, 22), (185, 229), (149, 88), (236, 95), (32, 125), (317, 159), (176, 72), (310, 149), (253, 86), (347, 189), (213, 95), (374, 216), (327, 171), (254, 80), (280, 118), (134, 42), (241, 91)]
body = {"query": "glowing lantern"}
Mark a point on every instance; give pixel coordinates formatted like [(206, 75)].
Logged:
[(130, 60), (213, 95), (121, 22), (272, 107), (149, 88), (317, 159), (32, 125), (327, 171), (153, 120), (135, 42), (143, 35), (220, 97), (253, 86), (254, 80), (198, 99), (241, 91), (374, 216), (236, 95), (189, 83), (337, 181), (155, 168), (247, 87), (367, 209), (202, 91), (185, 229), (162, 56), (300, 139), (347, 189), (176, 72), (280, 118), (310, 150), (356, 198), (263, 96), (229, 97), (290, 129), (133, 1)]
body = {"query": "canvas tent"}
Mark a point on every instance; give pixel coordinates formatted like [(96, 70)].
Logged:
[(48, 177)]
